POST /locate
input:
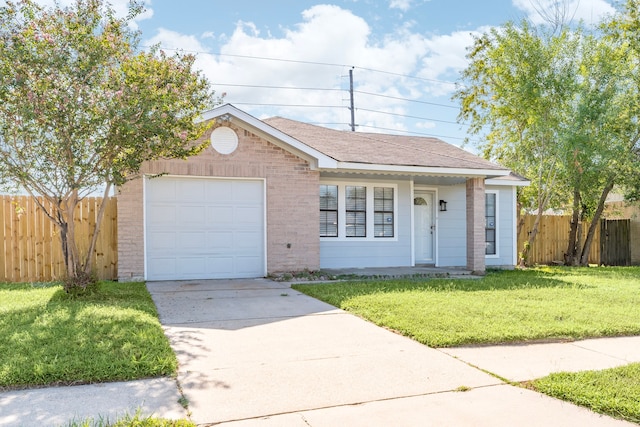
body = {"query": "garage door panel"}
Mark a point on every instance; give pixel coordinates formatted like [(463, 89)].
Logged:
[(246, 191), (163, 267), (246, 240), (246, 265), (222, 192), (219, 241), (163, 192), (159, 241), (192, 266), (190, 189), (220, 267), (213, 228), (248, 215), (191, 241), (191, 215), (161, 214), (218, 216)]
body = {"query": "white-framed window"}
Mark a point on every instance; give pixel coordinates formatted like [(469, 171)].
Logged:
[(328, 211), (358, 211), (383, 211), (491, 223)]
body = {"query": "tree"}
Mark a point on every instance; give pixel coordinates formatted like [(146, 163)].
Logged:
[(560, 107), (81, 108), (514, 91)]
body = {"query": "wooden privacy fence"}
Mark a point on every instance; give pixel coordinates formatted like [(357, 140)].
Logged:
[(552, 239), (31, 242)]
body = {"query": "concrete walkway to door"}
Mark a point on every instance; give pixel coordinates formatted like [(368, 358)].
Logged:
[(256, 352)]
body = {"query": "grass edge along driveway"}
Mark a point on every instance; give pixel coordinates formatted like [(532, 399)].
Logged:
[(49, 339), (550, 303), (502, 307)]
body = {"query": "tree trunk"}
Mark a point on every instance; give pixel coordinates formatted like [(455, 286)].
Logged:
[(572, 249), (88, 262), (584, 257)]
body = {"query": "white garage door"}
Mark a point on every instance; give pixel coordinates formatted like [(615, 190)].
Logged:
[(198, 228)]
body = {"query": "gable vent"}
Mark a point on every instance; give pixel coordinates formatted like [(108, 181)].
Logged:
[(224, 140)]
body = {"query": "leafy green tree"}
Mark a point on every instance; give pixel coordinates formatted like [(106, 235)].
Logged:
[(514, 92), (82, 107), (559, 106)]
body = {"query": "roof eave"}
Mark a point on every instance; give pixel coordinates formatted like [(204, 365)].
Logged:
[(420, 170), (509, 182)]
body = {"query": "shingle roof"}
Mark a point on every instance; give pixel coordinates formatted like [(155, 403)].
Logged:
[(381, 149)]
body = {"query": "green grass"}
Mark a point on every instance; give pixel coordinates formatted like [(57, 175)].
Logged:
[(49, 339), (504, 306), (614, 392), (132, 421)]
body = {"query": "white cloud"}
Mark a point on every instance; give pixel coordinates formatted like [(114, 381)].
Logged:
[(403, 5), (589, 11), (173, 40), (336, 37)]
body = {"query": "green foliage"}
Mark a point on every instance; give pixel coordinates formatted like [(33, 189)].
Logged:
[(561, 107), (82, 107), (110, 335), (133, 421), (502, 307), (614, 392)]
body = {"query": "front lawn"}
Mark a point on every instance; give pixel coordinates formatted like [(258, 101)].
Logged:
[(549, 303), (49, 339), (614, 392)]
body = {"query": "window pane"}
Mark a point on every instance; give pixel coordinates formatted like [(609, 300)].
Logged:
[(328, 224), (490, 224), (328, 211), (329, 197), (356, 211), (490, 205), (383, 212)]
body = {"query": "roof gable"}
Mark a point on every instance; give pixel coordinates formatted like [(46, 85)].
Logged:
[(335, 150)]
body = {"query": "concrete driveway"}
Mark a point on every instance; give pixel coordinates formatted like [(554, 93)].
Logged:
[(256, 352)]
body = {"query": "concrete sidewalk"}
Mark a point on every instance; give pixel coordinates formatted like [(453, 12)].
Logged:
[(256, 352)]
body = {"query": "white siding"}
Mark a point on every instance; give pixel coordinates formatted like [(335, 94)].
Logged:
[(452, 227)]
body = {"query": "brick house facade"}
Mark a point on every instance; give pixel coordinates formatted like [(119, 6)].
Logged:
[(290, 160)]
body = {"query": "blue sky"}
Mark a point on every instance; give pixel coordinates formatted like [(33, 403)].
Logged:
[(405, 55)]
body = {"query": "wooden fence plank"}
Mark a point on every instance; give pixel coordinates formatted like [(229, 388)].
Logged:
[(552, 239), (31, 243)]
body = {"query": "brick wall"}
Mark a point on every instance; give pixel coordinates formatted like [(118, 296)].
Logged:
[(292, 202)]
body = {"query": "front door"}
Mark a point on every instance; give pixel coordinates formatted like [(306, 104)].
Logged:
[(424, 227)]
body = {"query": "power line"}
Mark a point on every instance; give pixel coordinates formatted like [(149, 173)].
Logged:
[(406, 99), (296, 61), (409, 117), (278, 87), (288, 105)]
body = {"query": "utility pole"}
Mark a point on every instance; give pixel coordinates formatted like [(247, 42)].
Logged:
[(352, 108)]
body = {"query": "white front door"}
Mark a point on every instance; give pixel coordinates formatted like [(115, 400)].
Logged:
[(424, 227)]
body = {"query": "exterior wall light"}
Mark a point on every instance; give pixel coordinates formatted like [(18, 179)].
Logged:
[(443, 206)]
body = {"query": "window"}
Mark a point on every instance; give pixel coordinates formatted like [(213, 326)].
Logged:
[(383, 212), (356, 211), (328, 211), (490, 224)]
